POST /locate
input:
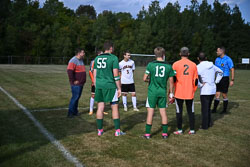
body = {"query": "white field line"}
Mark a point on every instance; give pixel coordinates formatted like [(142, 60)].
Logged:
[(45, 132)]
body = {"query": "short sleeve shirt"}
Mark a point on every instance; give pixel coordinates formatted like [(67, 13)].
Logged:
[(126, 68), (186, 74), (159, 72), (104, 65), (225, 64)]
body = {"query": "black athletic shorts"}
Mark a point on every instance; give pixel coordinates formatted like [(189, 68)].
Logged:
[(93, 89), (223, 85), (128, 88)]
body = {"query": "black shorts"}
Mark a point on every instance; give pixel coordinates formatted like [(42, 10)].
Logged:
[(223, 85), (93, 89), (128, 88)]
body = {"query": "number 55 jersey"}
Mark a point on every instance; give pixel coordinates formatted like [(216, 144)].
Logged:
[(158, 72), (104, 65), (186, 78)]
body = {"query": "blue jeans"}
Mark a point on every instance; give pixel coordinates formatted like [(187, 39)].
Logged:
[(76, 94)]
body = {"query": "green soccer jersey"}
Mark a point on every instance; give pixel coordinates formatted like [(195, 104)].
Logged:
[(104, 65), (159, 73)]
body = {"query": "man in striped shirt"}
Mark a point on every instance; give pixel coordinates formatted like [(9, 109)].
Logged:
[(77, 78)]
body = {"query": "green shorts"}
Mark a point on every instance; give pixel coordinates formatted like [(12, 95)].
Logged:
[(106, 95), (152, 101)]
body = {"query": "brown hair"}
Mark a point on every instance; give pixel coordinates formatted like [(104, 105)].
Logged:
[(107, 45), (159, 52)]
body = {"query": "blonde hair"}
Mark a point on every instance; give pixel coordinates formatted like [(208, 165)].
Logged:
[(159, 52)]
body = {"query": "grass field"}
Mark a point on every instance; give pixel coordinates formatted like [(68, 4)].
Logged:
[(39, 87)]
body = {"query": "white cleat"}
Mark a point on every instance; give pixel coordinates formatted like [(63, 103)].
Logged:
[(125, 109), (136, 109)]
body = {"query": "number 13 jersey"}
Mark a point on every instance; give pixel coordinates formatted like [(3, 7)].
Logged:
[(159, 72), (104, 65), (126, 68), (186, 74)]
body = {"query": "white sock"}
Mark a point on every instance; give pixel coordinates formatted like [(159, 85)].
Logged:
[(124, 100), (134, 101), (91, 104)]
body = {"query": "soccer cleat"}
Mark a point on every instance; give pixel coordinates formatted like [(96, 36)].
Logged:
[(125, 109), (164, 135), (136, 109), (105, 113), (178, 132), (191, 132), (223, 112), (118, 132), (147, 136), (100, 132), (213, 111), (91, 112)]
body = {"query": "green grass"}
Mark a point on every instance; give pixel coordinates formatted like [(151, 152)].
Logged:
[(36, 87)]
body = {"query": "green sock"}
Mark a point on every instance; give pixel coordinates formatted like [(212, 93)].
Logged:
[(117, 123), (99, 123), (148, 128), (164, 128)]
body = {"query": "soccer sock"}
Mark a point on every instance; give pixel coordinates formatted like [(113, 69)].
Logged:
[(225, 103), (124, 100), (91, 104), (117, 123), (99, 123), (216, 103), (164, 128), (134, 101), (148, 128)]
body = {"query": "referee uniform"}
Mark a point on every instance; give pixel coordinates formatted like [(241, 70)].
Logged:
[(225, 64)]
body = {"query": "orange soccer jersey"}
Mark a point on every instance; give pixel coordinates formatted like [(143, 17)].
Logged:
[(186, 75)]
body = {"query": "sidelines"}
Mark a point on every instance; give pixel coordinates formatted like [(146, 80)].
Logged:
[(45, 132)]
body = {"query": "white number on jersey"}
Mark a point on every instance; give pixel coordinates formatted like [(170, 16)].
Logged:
[(160, 71), (101, 62)]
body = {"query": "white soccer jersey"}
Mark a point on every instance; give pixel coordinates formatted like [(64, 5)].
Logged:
[(126, 69)]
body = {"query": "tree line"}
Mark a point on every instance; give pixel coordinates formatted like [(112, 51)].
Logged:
[(53, 30)]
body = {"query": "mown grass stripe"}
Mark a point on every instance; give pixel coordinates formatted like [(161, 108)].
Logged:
[(45, 132)]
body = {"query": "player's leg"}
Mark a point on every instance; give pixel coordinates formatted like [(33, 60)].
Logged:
[(150, 104), (124, 96), (100, 108), (219, 87), (164, 119), (224, 94), (92, 100), (179, 108), (133, 94), (204, 110), (190, 110)]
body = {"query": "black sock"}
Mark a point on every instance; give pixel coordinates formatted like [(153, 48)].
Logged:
[(216, 103), (225, 103)]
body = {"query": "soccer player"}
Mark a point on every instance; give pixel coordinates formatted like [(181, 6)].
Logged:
[(92, 98), (225, 63), (185, 87), (127, 68), (158, 73), (77, 78), (108, 87), (208, 75)]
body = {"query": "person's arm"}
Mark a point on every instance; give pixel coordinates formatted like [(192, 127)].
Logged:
[(195, 79), (117, 81), (219, 74), (71, 73), (145, 78), (232, 77), (94, 77)]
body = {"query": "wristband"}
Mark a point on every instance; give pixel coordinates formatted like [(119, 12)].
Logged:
[(171, 95), (117, 78)]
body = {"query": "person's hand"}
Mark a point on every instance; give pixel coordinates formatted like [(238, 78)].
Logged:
[(231, 83), (92, 84), (76, 82), (119, 93), (171, 98)]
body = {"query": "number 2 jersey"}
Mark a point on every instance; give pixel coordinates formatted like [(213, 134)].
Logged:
[(186, 76), (126, 68), (104, 65), (159, 72)]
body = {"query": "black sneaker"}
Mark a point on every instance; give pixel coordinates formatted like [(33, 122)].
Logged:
[(223, 112), (213, 111)]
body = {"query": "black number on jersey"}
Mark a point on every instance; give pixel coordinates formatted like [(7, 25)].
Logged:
[(127, 71), (185, 71)]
